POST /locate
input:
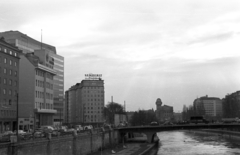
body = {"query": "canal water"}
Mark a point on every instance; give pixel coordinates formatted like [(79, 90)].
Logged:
[(190, 143)]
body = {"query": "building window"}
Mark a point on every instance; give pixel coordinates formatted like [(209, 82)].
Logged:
[(10, 62), (5, 71), (4, 81), (15, 83), (4, 91), (4, 101), (10, 82), (10, 92), (15, 64), (5, 50), (10, 72), (10, 52)]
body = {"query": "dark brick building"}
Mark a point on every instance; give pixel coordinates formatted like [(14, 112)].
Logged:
[(9, 71)]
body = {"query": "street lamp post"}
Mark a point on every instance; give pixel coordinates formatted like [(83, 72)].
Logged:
[(17, 115), (60, 118)]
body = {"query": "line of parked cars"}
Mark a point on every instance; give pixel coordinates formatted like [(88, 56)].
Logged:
[(43, 131)]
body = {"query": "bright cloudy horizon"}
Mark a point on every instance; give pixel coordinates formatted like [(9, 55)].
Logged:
[(173, 50)]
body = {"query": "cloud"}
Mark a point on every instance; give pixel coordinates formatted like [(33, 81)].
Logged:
[(212, 38), (174, 50)]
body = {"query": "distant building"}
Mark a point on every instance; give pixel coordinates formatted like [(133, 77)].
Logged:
[(35, 92), (120, 118), (9, 73), (210, 107), (129, 116), (85, 102), (54, 61), (177, 117), (163, 113), (231, 105)]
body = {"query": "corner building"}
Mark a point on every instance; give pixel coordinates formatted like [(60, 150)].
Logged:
[(85, 102), (210, 107), (9, 73), (30, 45), (35, 92)]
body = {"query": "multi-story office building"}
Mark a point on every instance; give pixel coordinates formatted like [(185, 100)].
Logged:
[(210, 107), (9, 73), (85, 101), (163, 113), (35, 91), (30, 45)]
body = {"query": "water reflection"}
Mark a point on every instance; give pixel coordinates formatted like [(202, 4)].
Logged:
[(190, 143)]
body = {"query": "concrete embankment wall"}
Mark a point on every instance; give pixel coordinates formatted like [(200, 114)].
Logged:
[(223, 133), (80, 144)]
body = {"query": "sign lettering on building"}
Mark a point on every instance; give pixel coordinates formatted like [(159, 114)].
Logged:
[(93, 76)]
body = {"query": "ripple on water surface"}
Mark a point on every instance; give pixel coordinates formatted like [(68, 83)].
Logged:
[(185, 143)]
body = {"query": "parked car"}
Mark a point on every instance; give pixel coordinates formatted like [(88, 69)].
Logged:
[(88, 127), (7, 133), (121, 124), (63, 128), (78, 128), (168, 123), (20, 132), (5, 137), (198, 119), (47, 129), (38, 133), (154, 123)]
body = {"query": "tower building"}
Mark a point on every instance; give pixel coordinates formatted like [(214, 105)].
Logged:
[(163, 113)]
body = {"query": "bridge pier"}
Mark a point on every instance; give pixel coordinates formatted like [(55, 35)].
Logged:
[(150, 136)]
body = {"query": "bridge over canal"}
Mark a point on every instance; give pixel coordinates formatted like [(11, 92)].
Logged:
[(151, 131)]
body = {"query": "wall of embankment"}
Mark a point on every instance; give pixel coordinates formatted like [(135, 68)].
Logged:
[(218, 132), (74, 144)]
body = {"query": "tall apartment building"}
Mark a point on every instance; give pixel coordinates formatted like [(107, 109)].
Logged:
[(209, 106), (85, 102), (9, 73), (30, 45), (35, 91)]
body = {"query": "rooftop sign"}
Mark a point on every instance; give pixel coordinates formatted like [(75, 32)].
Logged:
[(93, 76)]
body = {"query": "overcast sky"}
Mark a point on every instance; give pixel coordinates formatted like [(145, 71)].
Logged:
[(145, 49)]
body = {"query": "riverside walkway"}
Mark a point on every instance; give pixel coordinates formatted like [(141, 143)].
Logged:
[(132, 149), (135, 146)]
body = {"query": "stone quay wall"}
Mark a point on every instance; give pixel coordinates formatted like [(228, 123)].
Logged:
[(74, 144), (228, 134)]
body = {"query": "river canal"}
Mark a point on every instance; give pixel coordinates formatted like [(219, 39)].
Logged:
[(190, 143)]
